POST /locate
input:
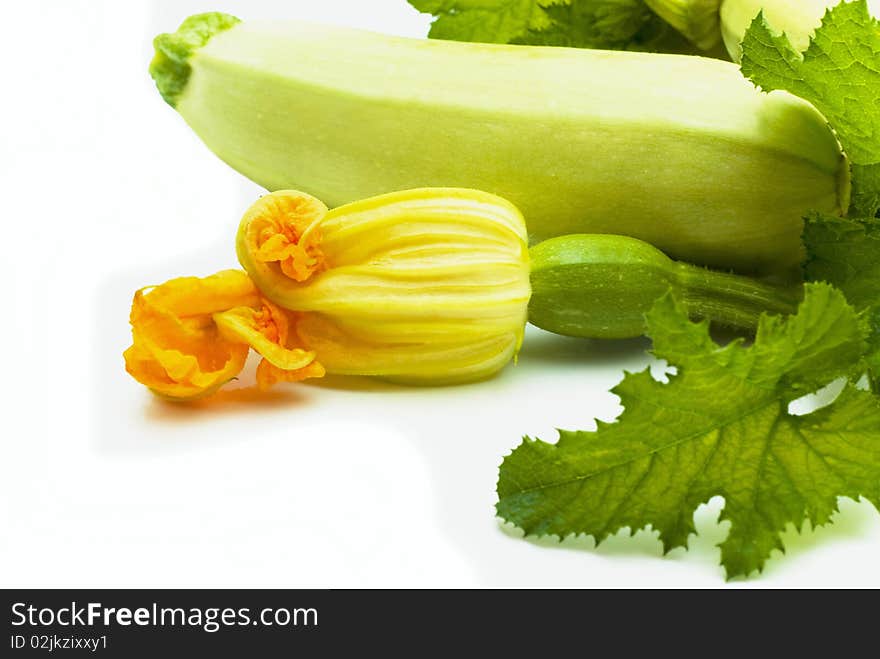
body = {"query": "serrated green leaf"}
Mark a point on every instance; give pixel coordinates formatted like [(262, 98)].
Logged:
[(839, 73), (720, 426), (846, 253), (488, 21), (609, 24)]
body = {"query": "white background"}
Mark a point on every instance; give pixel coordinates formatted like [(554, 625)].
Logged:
[(339, 483)]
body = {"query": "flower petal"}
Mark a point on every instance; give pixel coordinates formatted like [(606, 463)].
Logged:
[(283, 233), (176, 349), (268, 374), (265, 331), (345, 349), (426, 286)]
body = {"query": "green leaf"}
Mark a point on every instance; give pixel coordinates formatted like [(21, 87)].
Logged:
[(846, 253), (698, 20), (489, 21), (720, 426), (609, 24), (839, 73)]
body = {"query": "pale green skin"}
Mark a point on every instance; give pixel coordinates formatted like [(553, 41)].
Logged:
[(678, 151), (601, 287), (797, 18)]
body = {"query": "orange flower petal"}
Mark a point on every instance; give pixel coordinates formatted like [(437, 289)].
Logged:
[(176, 349), (283, 228), (267, 330), (268, 374)]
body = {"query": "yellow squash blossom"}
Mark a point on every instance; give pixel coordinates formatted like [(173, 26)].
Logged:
[(427, 286), (192, 335)]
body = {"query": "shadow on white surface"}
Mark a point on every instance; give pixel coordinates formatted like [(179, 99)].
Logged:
[(852, 522), (361, 384), (553, 349), (224, 402)]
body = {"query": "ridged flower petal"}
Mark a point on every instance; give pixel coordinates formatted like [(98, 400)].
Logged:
[(427, 285), (191, 335)]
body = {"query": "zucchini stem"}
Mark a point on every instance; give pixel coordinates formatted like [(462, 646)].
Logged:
[(732, 300)]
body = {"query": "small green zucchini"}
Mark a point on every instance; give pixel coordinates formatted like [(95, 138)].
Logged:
[(601, 286), (679, 151)]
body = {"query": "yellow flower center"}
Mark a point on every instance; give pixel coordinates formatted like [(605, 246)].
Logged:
[(286, 230)]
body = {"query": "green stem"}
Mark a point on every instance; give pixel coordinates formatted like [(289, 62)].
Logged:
[(732, 300)]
